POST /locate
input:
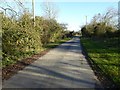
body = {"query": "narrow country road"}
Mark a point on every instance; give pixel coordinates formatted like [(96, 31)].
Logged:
[(63, 67)]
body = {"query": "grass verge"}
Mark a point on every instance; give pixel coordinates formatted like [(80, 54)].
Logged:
[(54, 44), (105, 53)]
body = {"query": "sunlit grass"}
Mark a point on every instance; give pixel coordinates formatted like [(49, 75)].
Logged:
[(105, 54), (54, 44)]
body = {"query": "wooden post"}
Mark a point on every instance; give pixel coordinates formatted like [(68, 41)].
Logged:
[(33, 7)]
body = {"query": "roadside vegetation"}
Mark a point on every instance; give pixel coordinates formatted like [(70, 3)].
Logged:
[(101, 39), (24, 35), (105, 54)]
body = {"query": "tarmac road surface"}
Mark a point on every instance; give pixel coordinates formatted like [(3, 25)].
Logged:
[(62, 67)]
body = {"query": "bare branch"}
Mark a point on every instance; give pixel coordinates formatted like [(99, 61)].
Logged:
[(50, 11)]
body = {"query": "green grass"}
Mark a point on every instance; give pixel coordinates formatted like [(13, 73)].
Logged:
[(54, 44), (105, 54)]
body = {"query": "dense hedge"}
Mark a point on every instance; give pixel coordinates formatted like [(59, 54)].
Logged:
[(102, 25), (21, 38), (99, 30)]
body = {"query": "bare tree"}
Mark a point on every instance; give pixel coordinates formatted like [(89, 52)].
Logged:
[(49, 10), (110, 16), (20, 6), (9, 10), (64, 25)]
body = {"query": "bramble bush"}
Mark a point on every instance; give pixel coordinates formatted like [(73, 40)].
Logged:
[(21, 38)]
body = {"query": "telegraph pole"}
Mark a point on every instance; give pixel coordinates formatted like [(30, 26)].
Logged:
[(119, 15), (33, 8), (86, 21)]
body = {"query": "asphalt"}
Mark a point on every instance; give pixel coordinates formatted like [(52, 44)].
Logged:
[(62, 67)]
